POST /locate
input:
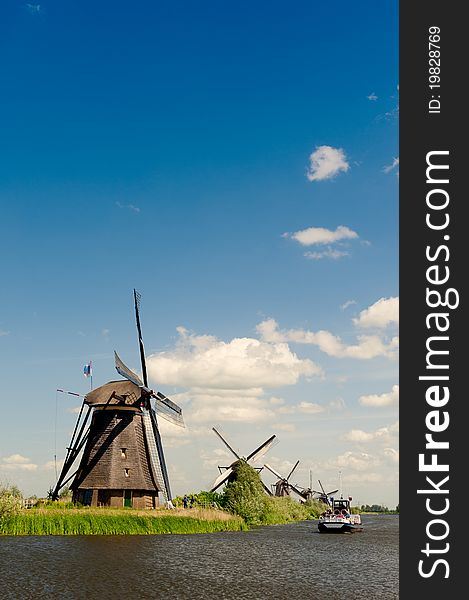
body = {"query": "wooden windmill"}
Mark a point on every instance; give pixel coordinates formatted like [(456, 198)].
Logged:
[(323, 495), (283, 487), (123, 462), (226, 473)]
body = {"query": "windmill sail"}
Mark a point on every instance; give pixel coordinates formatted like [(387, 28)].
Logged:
[(137, 298), (221, 479), (272, 470), (155, 457), (228, 474), (123, 370), (263, 449), (167, 409)]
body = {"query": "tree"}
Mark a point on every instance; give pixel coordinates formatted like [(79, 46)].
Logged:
[(11, 500), (244, 496)]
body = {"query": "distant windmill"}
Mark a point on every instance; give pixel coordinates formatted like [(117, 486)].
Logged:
[(227, 473), (123, 462), (323, 495), (283, 487)]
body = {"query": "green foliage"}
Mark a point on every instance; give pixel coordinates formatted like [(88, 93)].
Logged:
[(202, 499), (286, 510), (55, 504), (374, 508), (245, 496), (10, 501)]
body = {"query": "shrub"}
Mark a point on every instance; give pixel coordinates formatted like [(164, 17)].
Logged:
[(245, 495), (201, 500), (10, 501)]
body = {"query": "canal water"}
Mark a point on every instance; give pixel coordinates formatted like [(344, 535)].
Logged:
[(280, 562)]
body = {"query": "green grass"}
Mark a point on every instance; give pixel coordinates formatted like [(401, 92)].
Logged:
[(114, 522)]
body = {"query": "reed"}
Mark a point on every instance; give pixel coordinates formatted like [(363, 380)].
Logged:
[(116, 522)]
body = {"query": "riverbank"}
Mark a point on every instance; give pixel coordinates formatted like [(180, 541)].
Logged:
[(104, 521)]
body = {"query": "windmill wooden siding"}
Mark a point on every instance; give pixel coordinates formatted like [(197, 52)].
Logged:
[(115, 470)]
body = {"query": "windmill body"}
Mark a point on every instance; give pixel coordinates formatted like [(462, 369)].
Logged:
[(116, 468), (122, 463), (283, 487)]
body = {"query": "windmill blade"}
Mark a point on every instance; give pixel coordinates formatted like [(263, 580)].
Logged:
[(263, 448), (137, 298), (123, 370), (291, 472), (226, 443), (333, 492), (266, 489), (155, 448), (167, 409), (221, 479), (272, 470), (299, 492), (322, 488)]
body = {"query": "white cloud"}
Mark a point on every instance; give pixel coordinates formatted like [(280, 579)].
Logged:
[(227, 380), (383, 434), (276, 401), (386, 399), (380, 314), (289, 427), (392, 455), (33, 8), (326, 162), (393, 165), (310, 407), (321, 235), (236, 408), (317, 236), (16, 462), (337, 404), (51, 465), (372, 97), (368, 346), (361, 478), (242, 363), (355, 461), (329, 253), (129, 207), (345, 305), (216, 457)]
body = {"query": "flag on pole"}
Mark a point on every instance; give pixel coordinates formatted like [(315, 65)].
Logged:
[(87, 370)]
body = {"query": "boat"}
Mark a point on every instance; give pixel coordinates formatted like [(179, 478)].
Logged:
[(338, 518)]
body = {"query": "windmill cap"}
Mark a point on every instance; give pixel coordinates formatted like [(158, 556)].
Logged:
[(120, 393)]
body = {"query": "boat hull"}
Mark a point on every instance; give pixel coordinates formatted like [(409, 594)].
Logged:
[(334, 527)]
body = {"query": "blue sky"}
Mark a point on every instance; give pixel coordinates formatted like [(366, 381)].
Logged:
[(236, 163)]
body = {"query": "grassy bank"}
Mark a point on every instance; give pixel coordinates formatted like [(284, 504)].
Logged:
[(102, 521)]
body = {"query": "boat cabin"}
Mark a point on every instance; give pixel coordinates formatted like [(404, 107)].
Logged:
[(341, 506)]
